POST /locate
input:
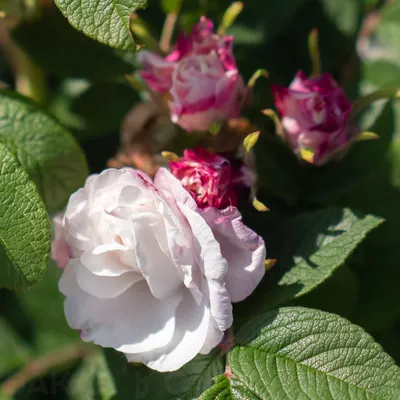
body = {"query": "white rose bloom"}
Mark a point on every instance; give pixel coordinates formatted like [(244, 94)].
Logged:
[(148, 273)]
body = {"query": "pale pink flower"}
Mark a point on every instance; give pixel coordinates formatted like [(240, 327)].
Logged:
[(315, 116), (151, 274)]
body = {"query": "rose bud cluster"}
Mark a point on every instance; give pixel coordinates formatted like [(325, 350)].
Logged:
[(211, 179), (200, 75), (315, 117), (148, 272)]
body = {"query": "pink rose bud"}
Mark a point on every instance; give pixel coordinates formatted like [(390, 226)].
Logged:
[(315, 117), (201, 76), (210, 179), (203, 91)]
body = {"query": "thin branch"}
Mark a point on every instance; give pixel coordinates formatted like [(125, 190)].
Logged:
[(39, 367)]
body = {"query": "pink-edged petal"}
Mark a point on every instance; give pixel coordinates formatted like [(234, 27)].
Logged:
[(191, 329), (59, 246), (243, 249), (158, 70), (133, 322)]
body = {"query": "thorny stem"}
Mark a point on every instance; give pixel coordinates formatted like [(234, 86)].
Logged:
[(168, 30), (39, 367)]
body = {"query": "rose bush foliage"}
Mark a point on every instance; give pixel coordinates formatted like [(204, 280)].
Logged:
[(203, 250)]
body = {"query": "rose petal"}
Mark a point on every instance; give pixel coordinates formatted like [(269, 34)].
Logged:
[(173, 189), (243, 249), (192, 323), (104, 287), (105, 260), (132, 322), (158, 269), (59, 246), (158, 71), (207, 249)]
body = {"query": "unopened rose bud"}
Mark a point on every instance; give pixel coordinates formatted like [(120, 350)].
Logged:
[(315, 117), (203, 92), (201, 76), (210, 178)]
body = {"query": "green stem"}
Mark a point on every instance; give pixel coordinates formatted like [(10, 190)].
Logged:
[(362, 103)]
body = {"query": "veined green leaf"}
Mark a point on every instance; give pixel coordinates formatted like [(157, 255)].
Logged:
[(104, 20), (49, 153), (24, 226), (299, 353)]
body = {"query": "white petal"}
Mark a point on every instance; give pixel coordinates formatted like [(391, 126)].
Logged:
[(192, 323), (133, 322), (105, 260), (213, 339), (243, 248), (104, 287), (206, 247), (173, 189), (157, 268), (220, 304), (78, 228)]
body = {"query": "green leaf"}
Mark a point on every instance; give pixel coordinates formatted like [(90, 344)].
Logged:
[(389, 26), (384, 74), (378, 259), (345, 14), (317, 243), (109, 374), (47, 151), (104, 20), (24, 226), (294, 353), (69, 53), (191, 380), (219, 391)]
